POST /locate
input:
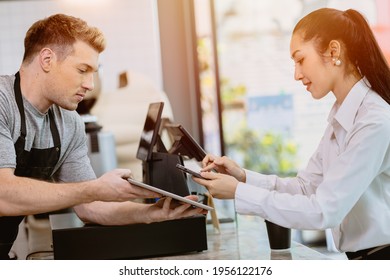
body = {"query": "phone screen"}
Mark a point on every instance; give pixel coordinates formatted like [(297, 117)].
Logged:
[(189, 171)]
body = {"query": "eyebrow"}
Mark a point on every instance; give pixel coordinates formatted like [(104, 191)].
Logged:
[(89, 66), (294, 53)]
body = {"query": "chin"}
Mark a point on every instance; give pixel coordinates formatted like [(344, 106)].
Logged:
[(318, 96), (69, 107)]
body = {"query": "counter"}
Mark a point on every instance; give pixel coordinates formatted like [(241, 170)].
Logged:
[(246, 239)]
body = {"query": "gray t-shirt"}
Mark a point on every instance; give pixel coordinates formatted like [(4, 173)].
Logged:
[(73, 165)]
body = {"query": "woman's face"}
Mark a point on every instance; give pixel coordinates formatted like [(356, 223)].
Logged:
[(314, 70)]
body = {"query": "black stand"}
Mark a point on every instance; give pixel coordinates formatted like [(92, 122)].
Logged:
[(74, 240), (161, 172)]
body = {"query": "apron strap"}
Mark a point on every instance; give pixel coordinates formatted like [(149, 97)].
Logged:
[(19, 102), (4, 250), (54, 130)]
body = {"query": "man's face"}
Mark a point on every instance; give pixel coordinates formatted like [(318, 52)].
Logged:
[(71, 78)]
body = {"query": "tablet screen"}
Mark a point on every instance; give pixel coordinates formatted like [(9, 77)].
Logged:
[(169, 194), (150, 131)]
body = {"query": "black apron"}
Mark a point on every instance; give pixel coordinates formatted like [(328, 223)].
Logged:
[(36, 163)]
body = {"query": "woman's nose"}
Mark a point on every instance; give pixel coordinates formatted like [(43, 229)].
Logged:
[(298, 74)]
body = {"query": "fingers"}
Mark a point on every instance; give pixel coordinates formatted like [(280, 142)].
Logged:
[(192, 197), (123, 173), (183, 210), (209, 167), (210, 175), (187, 210), (208, 159), (167, 203), (211, 163)]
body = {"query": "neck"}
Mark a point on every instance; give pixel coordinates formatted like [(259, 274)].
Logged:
[(32, 87), (344, 86)]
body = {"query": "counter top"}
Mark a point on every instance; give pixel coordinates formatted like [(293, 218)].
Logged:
[(246, 239)]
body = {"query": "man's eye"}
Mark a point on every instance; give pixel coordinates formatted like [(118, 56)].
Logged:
[(82, 70)]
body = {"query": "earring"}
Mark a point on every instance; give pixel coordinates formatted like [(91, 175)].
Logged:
[(336, 62)]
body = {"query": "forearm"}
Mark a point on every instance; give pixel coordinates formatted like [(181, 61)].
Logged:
[(26, 196), (113, 213), (294, 185)]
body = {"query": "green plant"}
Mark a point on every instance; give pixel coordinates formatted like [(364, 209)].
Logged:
[(268, 153), (231, 93)]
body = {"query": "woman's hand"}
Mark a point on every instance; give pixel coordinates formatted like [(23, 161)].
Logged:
[(219, 185), (223, 165)]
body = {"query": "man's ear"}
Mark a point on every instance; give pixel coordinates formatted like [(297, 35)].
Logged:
[(46, 59)]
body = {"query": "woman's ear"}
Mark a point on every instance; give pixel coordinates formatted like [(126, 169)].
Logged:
[(335, 49), (46, 59)]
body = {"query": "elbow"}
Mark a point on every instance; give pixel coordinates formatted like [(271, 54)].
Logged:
[(88, 213), (330, 219), (82, 213)]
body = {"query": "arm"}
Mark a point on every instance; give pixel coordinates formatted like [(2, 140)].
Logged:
[(224, 187), (25, 196), (114, 213), (347, 179)]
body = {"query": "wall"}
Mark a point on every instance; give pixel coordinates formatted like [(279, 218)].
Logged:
[(178, 59), (129, 25)]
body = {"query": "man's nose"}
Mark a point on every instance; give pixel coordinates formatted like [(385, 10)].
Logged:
[(88, 82)]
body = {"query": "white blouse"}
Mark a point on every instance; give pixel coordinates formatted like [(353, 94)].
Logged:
[(346, 184)]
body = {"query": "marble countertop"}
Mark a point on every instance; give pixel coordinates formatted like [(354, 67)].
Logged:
[(246, 239)]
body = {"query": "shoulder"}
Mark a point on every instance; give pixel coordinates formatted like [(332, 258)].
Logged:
[(7, 81), (8, 107), (6, 87), (375, 106), (375, 113)]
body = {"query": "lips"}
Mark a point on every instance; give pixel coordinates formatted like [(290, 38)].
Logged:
[(307, 85), (80, 97)]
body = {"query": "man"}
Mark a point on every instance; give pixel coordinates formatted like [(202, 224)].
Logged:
[(44, 164)]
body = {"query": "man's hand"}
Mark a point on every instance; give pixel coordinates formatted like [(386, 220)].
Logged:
[(113, 186), (169, 209)]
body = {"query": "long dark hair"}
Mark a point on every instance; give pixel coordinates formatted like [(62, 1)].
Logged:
[(352, 29)]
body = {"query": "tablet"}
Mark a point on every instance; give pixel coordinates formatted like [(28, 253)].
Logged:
[(169, 194)]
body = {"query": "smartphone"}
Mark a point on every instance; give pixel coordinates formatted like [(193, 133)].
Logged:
[(189, 171)]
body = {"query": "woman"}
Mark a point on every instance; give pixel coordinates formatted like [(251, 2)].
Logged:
[(346, 184)]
